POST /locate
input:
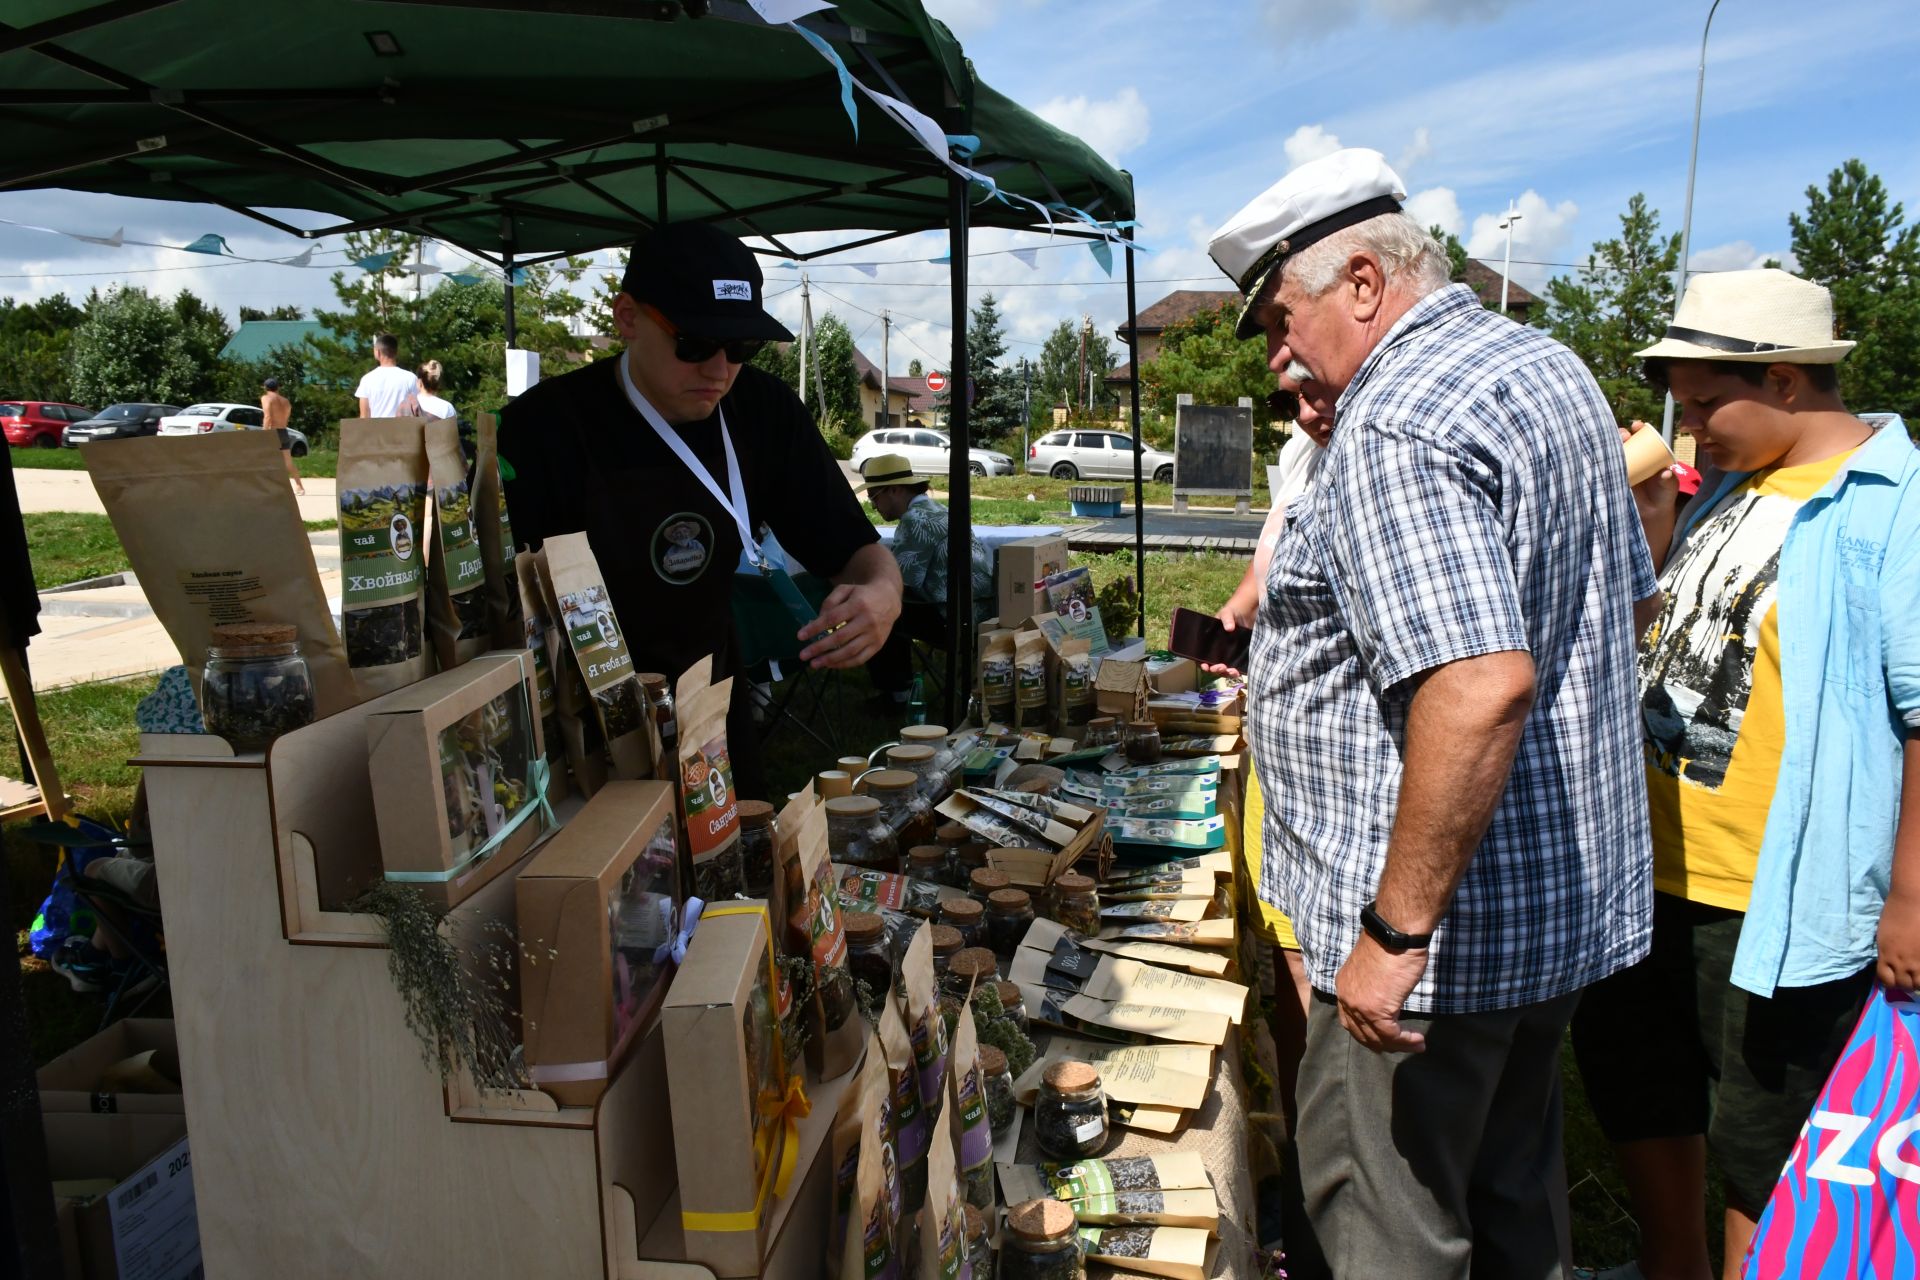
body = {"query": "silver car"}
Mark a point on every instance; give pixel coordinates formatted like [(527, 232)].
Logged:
[(1099, 455), (927, 450)]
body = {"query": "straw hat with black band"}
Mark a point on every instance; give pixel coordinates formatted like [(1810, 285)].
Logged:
[(1305, 207), (885, 469), (1761, 316)]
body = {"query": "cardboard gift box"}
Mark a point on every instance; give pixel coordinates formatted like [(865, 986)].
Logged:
[(459, 775), (131, 1067), (733, 1101), (123, 1195), (1022, 566), (597, 908)]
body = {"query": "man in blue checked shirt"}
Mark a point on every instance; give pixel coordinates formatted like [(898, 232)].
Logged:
[(1443, 721)]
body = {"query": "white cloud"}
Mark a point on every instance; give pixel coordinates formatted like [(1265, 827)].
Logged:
[(1540, 235), (1111, 126), (1309, 142), (968, 18), (1437, 207), (1735, 255), (1417, 150), (1307, 20)]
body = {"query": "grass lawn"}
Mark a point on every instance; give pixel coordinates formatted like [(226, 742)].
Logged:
[(67, 546), (1047, 489), (46, 459)]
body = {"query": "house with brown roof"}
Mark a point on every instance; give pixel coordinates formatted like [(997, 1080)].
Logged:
[(908, 402)]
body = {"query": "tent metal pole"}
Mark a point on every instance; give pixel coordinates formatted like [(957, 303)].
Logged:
[(1139, 500), (959, 476), (660, 182), (506, 263)]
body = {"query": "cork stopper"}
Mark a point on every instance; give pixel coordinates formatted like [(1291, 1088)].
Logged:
[(852, 807), (249, 635), (1142, 726), (973, 964), (758, 813), (1009, 901), (976, 1225), (910, 756), (862, 926), (993, 1061), (947, 940), (927, 855), (890, 780), (1041, 1219), (962, 913), (970, 854), (1009, 993), (1071, 1076), (651, 680), (924, 734), (952, 833), (1102, 723), (1066, 882), (987, 880)]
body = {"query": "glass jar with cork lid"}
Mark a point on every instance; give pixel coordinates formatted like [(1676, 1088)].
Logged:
[(929, 862), (968, 916), (256, 686), (970, 969), (946, 945), (868, 957), (1143, 742), (1076, 903), (757, 836), (901, 805), (1009, 915), (1102, 731), (1070, 1113), (918, 759), (1013, 1004), (984, 882), (858, 836), (1042, 1242), (947, 763)]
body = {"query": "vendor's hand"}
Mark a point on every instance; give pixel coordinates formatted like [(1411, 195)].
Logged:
[(1899, 942), (1237, 614), (863, 614), (1372, 988)]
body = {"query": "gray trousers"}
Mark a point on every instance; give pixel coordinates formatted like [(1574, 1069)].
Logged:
[(1439, 1165)]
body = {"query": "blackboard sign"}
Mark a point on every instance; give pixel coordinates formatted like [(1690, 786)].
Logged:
[(1213, 450)]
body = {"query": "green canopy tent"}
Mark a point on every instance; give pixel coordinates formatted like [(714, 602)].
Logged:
[(522, 130)]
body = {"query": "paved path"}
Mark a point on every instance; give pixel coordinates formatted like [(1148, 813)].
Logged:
[(73, 491), (1198, 530)]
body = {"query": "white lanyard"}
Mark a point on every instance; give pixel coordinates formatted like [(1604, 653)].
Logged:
[(673, 441)]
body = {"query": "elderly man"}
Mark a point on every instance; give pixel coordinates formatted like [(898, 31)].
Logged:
[(1443, 682)]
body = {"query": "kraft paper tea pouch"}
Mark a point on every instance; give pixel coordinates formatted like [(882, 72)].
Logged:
[(706, 782), (211, 528), (495, 532), (601, 652), (912, 1121), (382, 494), (1177, 1253), (456, 573), (973, 1133), (943, 1224), (542, 640), (920, 1005), (996, 677), (1178, 1076), (814, 930), (1073, 688), (859, 1105), (1161, 1022), (1122, 980), (1030, 679)]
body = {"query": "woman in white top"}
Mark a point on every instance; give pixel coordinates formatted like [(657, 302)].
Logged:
[(428, 396)]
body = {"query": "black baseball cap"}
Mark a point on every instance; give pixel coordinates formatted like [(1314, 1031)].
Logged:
[(271, 384), (703, 280)]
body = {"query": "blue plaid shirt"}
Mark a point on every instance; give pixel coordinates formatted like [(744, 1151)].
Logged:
[(1473, 500)]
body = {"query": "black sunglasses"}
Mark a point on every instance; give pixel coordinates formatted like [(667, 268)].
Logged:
[(1284, 405), (691, 350)]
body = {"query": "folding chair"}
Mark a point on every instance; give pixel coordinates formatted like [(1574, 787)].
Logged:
[(764, 628)]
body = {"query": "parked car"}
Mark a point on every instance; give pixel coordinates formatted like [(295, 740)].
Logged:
[(297, 442), (199, 419), (38, 424), (119, 422), (1100, 455), (927, 451)]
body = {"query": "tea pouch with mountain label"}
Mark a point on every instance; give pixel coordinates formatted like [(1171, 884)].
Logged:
[(706, 782), (1030, 654), (211, 529), (973, 1132), (859, 1105), (381, 484), (996, 677), (943, 1224), (814, 930), (580, 735), (1073, 687), (542, 639), (912, 1120), (601, 651), (456, 574), (495, 533), (920, 1005)]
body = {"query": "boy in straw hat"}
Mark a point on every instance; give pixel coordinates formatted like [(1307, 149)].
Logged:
[(1780, 695)]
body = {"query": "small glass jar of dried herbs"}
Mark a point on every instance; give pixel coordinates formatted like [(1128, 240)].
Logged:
[(984, 882), (1009, 915), (947, 944), (979, 1244), (918, 759), (1013, 1004), (1070, 1114), (928, 862), (665, 718), (1042, 1243), (757, 836), (858, 837), (868, 958), (967, 916), (970, 968), (1002, 1106), (1076, 903), (256, 686), (1143, 742), (1102, 731), (976, 1186), (902, 806)]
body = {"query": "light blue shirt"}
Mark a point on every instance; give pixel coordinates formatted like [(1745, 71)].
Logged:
[(1849, 619)]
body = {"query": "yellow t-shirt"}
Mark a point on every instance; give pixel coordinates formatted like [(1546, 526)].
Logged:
[(1710, 689)]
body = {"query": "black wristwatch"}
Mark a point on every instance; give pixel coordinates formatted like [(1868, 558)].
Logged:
[(1388, 936)]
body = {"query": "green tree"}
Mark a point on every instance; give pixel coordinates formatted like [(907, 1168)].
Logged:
[(1201, 357), (839, 381), (203, 332), (35, 338), (782, 360), (1456, 252), (130, 347), (996, 407), (1851, 240), (915, 369), (1616, 304), (278, 313)]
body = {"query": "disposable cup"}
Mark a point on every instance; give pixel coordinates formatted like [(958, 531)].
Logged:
[(1647, 455)]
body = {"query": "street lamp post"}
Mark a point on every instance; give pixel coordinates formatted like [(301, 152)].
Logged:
[(1506, 267), (1686, 218)]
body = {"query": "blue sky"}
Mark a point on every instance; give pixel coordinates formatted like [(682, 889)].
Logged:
[(1566, 106)]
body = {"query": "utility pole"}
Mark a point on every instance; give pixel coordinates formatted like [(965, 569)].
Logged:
[(1086, 327), (1686, 218), (1026, 409), (806, 331), (886, 369), (419, 258), (1506, 267)]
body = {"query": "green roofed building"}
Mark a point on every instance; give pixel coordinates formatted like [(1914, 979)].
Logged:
[(254, 339)]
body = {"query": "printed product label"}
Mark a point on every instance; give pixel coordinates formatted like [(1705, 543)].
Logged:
[(976, 1134), (380, 549), (930, 1055), (535, 631), (459, 544), (595, 636), (952, 1247), (823, 923), (713, 816)]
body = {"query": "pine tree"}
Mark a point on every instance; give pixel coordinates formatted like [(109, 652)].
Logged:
[(1852, 241), (996, 404), (1617, 303), (839, 380), (1456, 252), (1201, 357), (915, 369)]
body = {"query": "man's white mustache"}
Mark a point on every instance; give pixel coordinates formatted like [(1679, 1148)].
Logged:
[(1296, 372)]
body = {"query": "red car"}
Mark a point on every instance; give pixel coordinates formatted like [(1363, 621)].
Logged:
[(38, 423)]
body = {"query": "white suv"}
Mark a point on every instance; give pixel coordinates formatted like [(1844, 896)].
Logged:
[(926, 450), (199, 419), (1103, 455)]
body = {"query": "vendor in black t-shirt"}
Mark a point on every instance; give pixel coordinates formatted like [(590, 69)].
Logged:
[(600, 450)]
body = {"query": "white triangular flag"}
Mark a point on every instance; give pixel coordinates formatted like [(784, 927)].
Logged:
[(1029, 256)]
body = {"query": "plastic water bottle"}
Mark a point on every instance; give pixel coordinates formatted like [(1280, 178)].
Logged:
[(917, 703)]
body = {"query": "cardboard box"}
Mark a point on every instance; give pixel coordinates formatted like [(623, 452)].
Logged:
[(593, 905), (1022, 565), (432, 749), (1173, 675), (123, 1195), (146, 1083), (727, 1079)]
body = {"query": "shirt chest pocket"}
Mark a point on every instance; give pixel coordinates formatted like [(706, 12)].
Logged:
[(1865, 671)]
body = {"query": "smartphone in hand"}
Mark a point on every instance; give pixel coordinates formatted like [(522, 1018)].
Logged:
[(1201, 636)]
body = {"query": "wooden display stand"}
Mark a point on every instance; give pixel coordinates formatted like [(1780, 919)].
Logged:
[(323, 1145)]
